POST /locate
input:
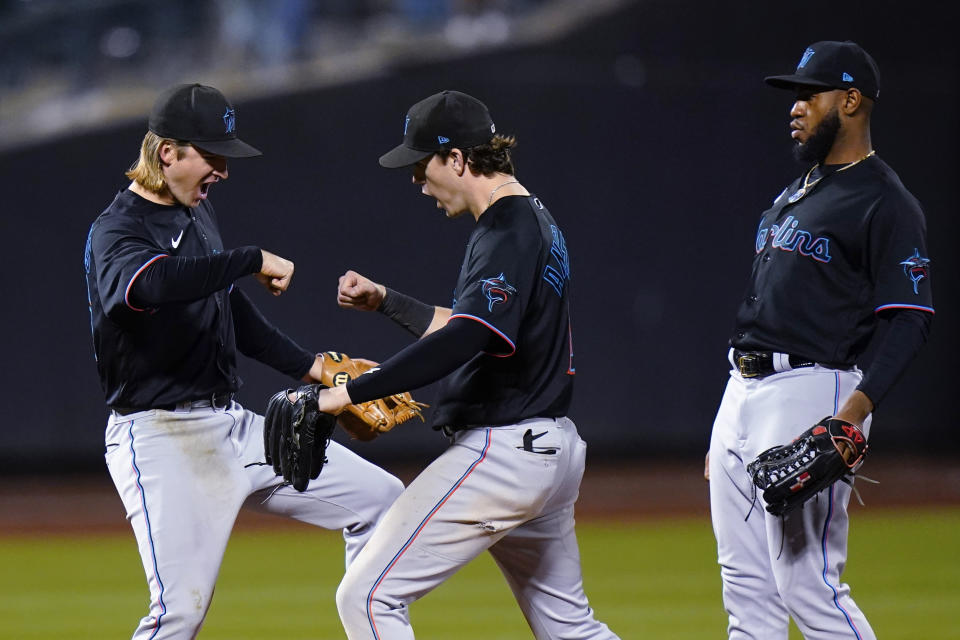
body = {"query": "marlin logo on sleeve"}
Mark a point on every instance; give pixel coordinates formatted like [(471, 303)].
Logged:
[(917, 268), (497, 290)]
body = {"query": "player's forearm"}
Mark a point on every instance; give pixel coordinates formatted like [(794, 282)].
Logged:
[(257, 338), (856, 408), (423, 362), (183, 279), (905, 333), (415, 316)]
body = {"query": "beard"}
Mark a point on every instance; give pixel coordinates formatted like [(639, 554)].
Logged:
[(818, 145)]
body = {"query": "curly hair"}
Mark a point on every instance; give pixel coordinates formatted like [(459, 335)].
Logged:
[(490, 158), (146, 171)]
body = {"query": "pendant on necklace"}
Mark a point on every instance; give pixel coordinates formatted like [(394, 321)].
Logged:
[(799, 193)]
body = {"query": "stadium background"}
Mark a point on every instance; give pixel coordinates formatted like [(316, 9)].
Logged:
[(643, 125)]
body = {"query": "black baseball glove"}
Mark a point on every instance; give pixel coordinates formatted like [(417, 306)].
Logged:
[(791, 474), (295, 435)]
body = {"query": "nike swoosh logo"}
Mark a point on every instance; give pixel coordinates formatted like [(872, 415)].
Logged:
[(528, 439), (176, 243)]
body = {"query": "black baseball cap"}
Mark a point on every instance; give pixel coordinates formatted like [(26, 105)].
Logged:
[(833, 65), (445, 120), (201, 116)]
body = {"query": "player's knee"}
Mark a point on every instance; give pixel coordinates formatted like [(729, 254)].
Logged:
[(393, 487), (351, 600)]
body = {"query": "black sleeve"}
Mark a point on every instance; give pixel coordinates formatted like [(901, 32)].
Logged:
[(181, 279), (424, 361), (409, 313), (260, 340), (904, 335)]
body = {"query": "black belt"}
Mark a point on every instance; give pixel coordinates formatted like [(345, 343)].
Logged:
[(219, 400), (757, 364)]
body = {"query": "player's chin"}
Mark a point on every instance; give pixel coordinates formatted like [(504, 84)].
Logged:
[(190, 204), (444, 210)]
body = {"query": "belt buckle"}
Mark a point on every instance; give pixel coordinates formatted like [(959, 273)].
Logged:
[(749, 365), (220, 400)]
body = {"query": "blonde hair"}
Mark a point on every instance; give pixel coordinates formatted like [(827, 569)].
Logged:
[(147, 171)]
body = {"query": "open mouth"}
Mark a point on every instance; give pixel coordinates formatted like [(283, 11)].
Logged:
[(205, 188)]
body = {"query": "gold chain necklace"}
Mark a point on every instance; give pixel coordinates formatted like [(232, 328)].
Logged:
[(807, 185), (498, 188)]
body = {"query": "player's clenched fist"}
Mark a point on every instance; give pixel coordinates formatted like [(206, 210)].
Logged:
[(275, 274), (358, 292)]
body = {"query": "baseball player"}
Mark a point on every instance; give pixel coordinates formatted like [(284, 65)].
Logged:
[(509, 480), (167, 321), (839, 254)]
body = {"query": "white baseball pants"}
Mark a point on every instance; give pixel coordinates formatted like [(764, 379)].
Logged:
[(775, 568), (184, 475), (485, 492)]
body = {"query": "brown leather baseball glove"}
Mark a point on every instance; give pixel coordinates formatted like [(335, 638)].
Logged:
[(367, 420)]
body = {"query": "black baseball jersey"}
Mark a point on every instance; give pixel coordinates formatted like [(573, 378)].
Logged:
[(515, 280), (165, 316), (828, 262)]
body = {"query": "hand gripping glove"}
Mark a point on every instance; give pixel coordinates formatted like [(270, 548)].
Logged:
[(791, 474), (295, 435), (367, 420)]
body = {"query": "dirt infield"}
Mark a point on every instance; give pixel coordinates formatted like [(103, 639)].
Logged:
[(640, 490)]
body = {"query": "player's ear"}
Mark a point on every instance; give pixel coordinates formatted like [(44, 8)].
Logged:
[(457, 161), (851, 101), (167, 152)]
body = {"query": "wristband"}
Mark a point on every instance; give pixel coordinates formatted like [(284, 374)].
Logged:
[(409, 313)]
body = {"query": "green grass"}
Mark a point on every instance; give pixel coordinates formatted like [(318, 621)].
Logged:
[(649, 579)]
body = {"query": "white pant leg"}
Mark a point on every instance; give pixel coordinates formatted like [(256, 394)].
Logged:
[(806, 549), (180, 483), (541, 558), (479, 490), (350, 493), (183, 478), (750, 597)]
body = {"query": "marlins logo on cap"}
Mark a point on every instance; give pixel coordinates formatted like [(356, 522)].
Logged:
[(445, 120), (201, 116), (833, 65)]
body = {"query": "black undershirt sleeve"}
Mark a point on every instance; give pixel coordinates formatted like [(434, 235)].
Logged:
[(260, 340), (409, 313), (182, 279), (904, 335), (424, 361)]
